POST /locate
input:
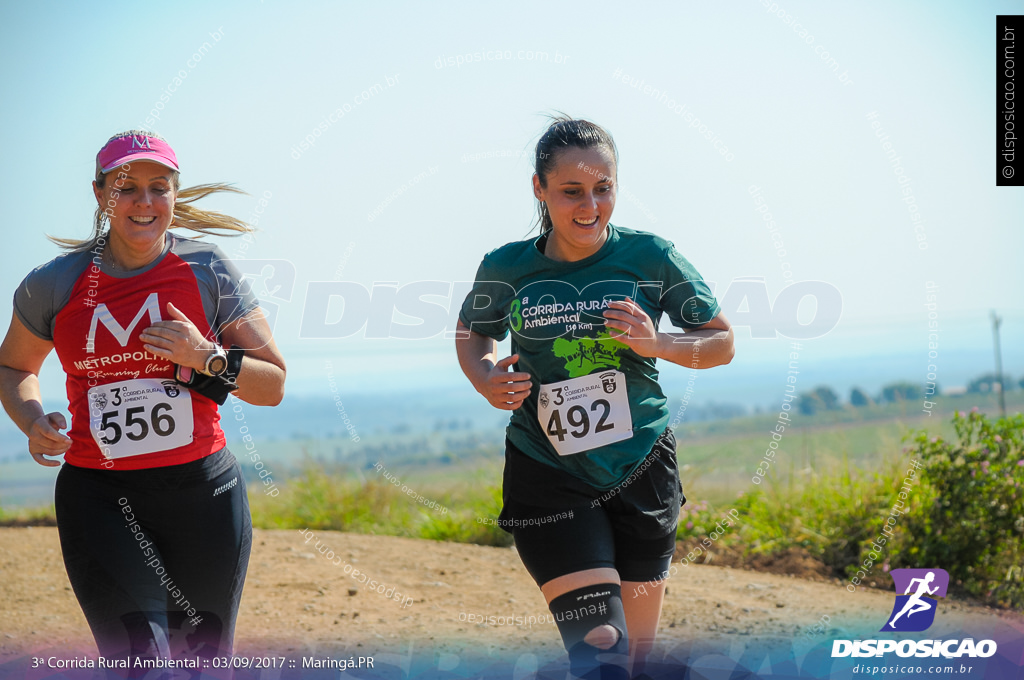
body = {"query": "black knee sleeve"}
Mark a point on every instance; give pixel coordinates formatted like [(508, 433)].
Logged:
[(582, 610)]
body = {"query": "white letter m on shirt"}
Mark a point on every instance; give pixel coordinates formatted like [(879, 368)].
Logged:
[(101, 313)]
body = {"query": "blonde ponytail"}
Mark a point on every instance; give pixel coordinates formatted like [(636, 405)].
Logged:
[(186, 216)]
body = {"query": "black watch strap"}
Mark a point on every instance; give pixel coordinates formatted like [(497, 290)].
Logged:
[(215, 387)]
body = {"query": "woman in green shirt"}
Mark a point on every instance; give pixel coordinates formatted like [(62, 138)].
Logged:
[(591, 486)]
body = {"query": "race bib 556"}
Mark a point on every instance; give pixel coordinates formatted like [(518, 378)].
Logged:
[(134, 417)]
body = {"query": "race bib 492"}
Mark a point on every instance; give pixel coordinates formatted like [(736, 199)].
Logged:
[(585, 413)]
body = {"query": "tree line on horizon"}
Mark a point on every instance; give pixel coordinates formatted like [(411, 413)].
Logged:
[(824, 398)]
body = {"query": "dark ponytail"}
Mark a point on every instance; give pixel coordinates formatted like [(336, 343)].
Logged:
[(565, 132)]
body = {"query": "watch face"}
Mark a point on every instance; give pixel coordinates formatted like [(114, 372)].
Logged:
[(217, 365)]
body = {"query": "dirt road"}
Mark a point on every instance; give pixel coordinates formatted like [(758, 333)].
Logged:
[(299, 602)]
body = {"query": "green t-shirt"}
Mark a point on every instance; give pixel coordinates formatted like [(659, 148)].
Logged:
[(554, 310)]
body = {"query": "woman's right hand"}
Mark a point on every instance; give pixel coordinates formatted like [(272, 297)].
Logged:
[(504, 389), (45, 439)]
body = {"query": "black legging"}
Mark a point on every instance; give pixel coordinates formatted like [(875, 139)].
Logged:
[(195, 519)]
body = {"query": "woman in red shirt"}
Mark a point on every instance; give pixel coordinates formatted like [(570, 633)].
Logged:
[(153, 331)]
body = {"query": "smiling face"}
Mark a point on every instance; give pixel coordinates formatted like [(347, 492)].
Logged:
[(580, 197), (139, 200)]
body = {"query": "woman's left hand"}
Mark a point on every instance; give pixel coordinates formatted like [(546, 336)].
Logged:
[(634, 325), (178, 340)]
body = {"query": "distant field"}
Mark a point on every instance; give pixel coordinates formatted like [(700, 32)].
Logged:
[(717, 458)]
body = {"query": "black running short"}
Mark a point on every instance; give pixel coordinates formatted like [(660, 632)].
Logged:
[(563, 525), (157, 557)]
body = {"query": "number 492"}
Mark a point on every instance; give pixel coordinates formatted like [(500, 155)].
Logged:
[(578, 417)]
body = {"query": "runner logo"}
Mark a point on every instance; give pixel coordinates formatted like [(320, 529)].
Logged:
[(272, 282), (140, 142), (914, 610), (608, 382)]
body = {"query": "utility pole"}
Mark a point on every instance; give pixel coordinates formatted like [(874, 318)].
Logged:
[(996, 321)]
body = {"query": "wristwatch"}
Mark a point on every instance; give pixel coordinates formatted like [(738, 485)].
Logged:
[(216, 363)]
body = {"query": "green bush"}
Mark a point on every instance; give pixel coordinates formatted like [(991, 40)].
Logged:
[(827, 515), (697, 520), (970, 522), (45, 516), (474, 522), (326, 500)]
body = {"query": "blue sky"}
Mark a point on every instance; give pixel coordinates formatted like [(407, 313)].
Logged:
[(271, 72)]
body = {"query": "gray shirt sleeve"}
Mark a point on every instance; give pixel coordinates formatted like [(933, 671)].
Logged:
[(45, 290), (234, 290), (227, 294)]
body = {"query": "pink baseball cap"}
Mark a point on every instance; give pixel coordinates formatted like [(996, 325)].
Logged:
[(135, 145)]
